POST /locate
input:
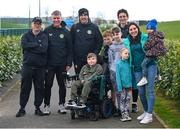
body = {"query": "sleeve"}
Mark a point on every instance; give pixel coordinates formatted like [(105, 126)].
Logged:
[(98, 72), (72, 32), (81, 76), (69, 49), (26, 45), (98, 40), (110, 57), (151, 43), (118, 77), (42, 47)]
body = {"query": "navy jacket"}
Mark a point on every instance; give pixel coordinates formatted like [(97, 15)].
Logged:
[(60, 46), (86, 38), (34, 49)]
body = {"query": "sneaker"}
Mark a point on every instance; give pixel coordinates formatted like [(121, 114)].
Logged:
[(71, 103), (80, 105), (142, 82), (47, 110), (20, 113), (62, 109), (134, 108), (38, 112), (147, 119), (126, 117), (141, 116)]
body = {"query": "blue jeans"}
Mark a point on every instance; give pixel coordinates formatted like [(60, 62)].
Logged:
[(145, 64), (149, 100)]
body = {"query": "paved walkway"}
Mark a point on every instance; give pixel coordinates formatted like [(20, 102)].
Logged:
[(9, 106)]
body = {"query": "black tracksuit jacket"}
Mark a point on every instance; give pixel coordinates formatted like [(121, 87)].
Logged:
[(86, 38), (34, 49), (60, 46)]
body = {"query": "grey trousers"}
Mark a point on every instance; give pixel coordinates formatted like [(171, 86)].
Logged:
[(86, 88)]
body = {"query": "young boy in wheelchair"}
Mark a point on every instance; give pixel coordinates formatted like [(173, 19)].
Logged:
[(87, 73)]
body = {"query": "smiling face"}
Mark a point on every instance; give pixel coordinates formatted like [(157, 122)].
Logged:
[(133, 31), (125, 54), (84, 18), (92, 61), (123, 18), (56, 19)]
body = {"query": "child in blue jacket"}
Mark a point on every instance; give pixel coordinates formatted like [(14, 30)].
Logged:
[(124, 83)]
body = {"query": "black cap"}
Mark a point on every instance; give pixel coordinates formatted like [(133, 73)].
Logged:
[(83, 11), (37, 19)]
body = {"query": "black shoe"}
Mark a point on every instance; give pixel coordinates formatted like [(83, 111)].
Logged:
[(38, 112), (134, 108), (20, 113)]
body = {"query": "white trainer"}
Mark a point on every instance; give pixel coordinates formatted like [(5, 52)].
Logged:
[(62, 109), (147, 119), (142, 82), (141, 116), (47, 110)]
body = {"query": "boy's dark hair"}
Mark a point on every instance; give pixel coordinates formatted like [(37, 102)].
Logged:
[(56, 13), (107, 33), (116, 30), (122, 11), (91, 55)]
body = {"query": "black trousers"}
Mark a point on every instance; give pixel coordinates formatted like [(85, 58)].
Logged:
[(49, 78), (29, 76)]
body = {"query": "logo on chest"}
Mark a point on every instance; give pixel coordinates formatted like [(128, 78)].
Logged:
[(61, 36), (89, 31)]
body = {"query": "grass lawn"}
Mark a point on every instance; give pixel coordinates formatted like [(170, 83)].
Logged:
[(168, 110), (170, 29)]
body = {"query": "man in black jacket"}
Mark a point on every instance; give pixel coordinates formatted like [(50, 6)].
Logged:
[(59, 60), (86, 38), (34, 45)]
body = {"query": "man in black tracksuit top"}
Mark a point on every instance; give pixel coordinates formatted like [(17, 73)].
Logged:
[(86, 38), (59, 60), (34, 46)]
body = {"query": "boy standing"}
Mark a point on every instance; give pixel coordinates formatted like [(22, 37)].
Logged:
[(88, 71), (113, 56)]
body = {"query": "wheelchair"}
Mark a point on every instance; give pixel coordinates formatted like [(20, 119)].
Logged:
[(98, 104)]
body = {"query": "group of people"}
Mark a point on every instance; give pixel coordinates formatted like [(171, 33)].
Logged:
[(129, 53)]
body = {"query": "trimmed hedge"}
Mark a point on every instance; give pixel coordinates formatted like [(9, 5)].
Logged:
[(170, 71), (10, 57)]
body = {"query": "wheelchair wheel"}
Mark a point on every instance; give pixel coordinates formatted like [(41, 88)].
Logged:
[(93, 116), (106, 108), (73, 114)]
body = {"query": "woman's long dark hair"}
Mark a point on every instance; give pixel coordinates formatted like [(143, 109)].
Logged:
[(137, 39)]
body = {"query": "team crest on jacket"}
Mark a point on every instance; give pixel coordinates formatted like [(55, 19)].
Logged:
[(61, 36), (89, 32)]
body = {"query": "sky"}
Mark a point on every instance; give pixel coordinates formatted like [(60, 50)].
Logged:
[(162, 10)]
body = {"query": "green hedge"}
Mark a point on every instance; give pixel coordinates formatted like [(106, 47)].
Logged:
[(170, 70), (10, 57)]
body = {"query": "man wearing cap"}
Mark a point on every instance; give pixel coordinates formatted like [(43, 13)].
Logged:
[(34, 45), (59, 60), (86, 38)]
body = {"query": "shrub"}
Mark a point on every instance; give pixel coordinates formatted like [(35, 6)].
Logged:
[(10, 57), (170, 70)]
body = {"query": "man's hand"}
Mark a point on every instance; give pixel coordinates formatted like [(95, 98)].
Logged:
[(67, 68)]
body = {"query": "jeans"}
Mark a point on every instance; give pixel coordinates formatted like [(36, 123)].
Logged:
[(145, 63), (149, 100)]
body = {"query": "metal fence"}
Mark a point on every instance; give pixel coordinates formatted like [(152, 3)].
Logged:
[(11, 32)]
